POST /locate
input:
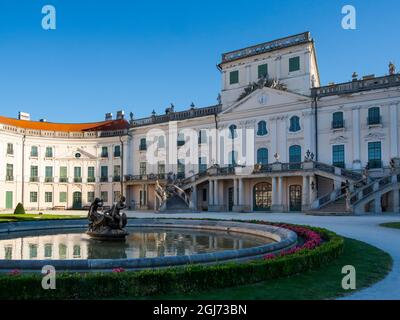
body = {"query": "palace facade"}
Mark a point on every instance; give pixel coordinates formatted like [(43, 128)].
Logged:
[(276, 141)]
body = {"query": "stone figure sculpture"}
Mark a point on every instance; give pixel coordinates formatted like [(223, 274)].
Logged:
[(107, 225)]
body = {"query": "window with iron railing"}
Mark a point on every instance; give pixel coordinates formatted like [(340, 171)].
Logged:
[(49, 152)]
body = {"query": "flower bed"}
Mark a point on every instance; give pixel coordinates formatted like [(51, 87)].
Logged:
[(311, 238), (320, 248)]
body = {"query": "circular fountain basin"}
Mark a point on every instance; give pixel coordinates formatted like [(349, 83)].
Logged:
[(151, 243)]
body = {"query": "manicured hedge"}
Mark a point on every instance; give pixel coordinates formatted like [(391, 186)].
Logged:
[(172, 280)]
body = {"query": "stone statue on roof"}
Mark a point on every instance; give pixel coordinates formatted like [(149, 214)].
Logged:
[(392, 68)]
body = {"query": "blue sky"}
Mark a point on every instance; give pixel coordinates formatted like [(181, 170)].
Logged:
[(140, 55)]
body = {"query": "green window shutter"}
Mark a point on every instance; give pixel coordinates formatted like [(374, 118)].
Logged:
[(294, 64), (49, 172), (262, 71), (234, 77), (63, 172)]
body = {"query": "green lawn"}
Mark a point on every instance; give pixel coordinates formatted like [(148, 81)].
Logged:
[(371, 263), (34, 217), (394, 225)]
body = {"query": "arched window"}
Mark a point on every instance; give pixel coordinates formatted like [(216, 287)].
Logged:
[(262, 156), (262, 128), (294, 124), (232, 131), (337, 120), (295, 156), (374, 116)]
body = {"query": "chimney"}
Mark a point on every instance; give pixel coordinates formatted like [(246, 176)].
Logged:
[(120, 114), (24, 116), (109, 116)]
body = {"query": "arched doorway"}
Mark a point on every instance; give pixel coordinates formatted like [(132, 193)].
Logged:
[(295, 198), (77, 200), (262, 196)]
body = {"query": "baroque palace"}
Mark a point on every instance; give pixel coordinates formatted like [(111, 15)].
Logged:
[(276, 141)]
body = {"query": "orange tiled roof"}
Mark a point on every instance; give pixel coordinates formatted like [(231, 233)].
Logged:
[(67, 127)]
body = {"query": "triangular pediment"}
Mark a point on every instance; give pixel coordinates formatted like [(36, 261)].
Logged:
[(267, 98)]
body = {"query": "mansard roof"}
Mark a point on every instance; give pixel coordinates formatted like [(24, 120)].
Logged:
[(109, 125)]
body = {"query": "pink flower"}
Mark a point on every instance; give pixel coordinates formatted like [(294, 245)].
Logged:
[(14, 272), (118, 270)]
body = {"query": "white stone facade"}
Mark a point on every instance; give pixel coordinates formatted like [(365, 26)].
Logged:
[(349, 126)]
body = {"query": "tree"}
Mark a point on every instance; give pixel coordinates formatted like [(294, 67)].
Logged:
[(19, 209)]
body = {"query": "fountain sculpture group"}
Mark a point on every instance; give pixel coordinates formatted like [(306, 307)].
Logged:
[(109, 224)]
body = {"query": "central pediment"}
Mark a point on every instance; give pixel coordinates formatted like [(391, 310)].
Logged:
[(267, 98)]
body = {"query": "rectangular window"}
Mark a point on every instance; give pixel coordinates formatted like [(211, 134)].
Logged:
[(77, 174), (9, 172), (63, 197), (117, 173), (8, 252), (338, 156), (33, 250), (202, 136), (90, 196), (48, 250), (294, 64), (48, 197), (10, 148), (142, 168), (181, 139), (104, 196), (104, 152), (117, 196), (62, 251), (202, 164), (374, 116), (48, 174), (374, 155), (91, 177), (49, 152), (161, 142), (143, 144), (34, 151), (262, 71), (33, 197), (63, 174), (34, 174), (234, 77), (117, 151), (104, 173), (181, 169), (161, 170)]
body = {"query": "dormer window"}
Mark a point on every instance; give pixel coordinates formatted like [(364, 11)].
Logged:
[(294, 124), (294, 64), (262, 128), (234, 77), (263, 71)]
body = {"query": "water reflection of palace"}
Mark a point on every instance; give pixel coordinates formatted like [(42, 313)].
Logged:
[(139, 244), (65, 246)]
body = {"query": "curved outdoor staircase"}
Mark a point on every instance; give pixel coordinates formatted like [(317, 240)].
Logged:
[(358, 196)]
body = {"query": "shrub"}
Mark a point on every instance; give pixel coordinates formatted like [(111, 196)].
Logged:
[(173, 280), (19, 209)]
